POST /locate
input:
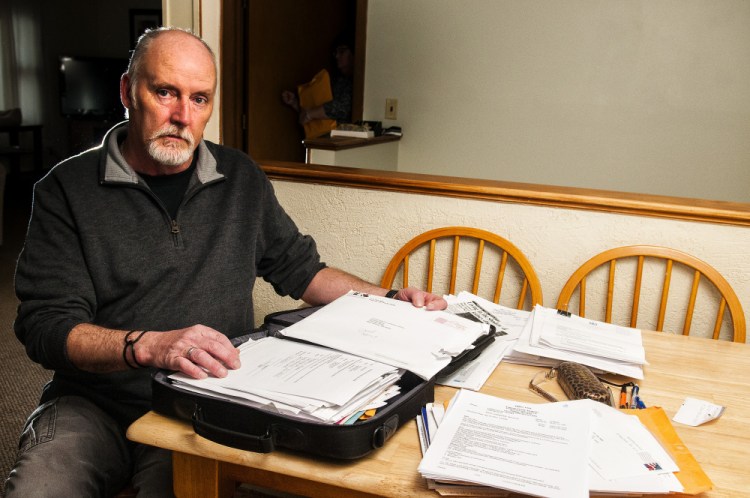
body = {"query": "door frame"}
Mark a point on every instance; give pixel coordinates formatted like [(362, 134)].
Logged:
[(235, 69)]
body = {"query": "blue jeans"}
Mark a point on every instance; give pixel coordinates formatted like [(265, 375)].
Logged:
[(70, 447)]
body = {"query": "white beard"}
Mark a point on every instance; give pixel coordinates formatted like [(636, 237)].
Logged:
[(173, 154)]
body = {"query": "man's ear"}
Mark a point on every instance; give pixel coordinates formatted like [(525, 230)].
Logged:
[(125, 91)]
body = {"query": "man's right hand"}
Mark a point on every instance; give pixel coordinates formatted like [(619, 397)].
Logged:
[(196, 351)]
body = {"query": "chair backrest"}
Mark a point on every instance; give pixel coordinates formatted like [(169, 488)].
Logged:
[(503, 258), (693, 268)]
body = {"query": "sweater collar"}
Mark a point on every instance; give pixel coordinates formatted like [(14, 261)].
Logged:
[(114, 168)]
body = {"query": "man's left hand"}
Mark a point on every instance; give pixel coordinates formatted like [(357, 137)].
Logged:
[(421, 299)]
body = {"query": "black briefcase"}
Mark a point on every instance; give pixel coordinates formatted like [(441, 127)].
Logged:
[(246, 427)]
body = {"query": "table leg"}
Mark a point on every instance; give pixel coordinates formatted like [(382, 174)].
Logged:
[(198, 477)]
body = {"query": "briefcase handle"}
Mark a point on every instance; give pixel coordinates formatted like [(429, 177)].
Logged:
[(249, 442)]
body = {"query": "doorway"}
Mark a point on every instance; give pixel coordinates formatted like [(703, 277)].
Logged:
[(269, 46)]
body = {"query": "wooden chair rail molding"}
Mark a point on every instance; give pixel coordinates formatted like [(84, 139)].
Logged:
[(679, 208)]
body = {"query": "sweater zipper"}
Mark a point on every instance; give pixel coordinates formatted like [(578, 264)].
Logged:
[(174, 226), (175, 229)]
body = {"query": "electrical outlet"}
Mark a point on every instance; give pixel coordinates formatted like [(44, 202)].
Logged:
[(391, 108)]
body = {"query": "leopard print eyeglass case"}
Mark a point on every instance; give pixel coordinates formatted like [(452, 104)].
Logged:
[(577, 382)]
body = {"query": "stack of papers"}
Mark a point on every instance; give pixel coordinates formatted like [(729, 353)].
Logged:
[(551, 336), (390, 331), (557, 449), (359, 132), (346, 358), (507, 323), (303, 380)]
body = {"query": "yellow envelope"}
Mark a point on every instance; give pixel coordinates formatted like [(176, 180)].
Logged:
[(318, 127), (691, 475), (313, 94), (316, 92)]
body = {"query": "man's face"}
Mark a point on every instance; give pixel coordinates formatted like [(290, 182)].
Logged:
[(171, 102), (344, 59)]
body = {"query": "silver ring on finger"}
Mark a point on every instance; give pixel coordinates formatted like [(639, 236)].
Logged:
[(189, 352)]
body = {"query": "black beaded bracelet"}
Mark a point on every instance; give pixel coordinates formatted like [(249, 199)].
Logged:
[(391, 293), (131, 344)]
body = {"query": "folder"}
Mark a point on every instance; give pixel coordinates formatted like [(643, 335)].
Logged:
[(691, 475), (313, 94)]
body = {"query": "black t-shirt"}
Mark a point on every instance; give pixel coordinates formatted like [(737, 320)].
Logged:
[(170, 189)]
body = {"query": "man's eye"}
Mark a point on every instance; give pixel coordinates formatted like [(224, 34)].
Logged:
[(201, 100), (162, 93)]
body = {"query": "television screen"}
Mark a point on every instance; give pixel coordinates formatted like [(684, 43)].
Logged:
[(90, 86)]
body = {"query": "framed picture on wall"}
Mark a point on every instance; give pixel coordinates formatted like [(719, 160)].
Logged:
[(141, 20)]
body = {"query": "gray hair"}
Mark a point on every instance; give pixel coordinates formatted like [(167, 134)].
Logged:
[(135, 66)]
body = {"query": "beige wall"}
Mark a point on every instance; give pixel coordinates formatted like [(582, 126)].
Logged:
[(358, 230), (647, 96)]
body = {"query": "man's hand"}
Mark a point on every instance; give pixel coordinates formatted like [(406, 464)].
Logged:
[(196, 351), (420, 298), (290, 99), (332, 283)]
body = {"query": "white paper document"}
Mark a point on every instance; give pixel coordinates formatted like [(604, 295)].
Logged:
[(556, 449), (508, 324), (573, 333), (695, 412), (538, 449), (301, 378), (565, 337), (389, 331), (475, 373), (625, 457)]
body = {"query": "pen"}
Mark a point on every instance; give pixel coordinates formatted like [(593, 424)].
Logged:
[(623, 397), (634, 396), (639, 403), (426, 424)]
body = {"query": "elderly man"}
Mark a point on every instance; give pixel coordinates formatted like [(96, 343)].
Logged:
[(142, 254)]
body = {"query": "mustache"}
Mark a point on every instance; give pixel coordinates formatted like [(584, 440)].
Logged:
[(172, 130)]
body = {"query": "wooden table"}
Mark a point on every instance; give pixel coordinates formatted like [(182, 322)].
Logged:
[(679, 367)]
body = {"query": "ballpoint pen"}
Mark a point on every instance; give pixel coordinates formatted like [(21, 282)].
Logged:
[(634, 396), (426, 425), (639, 403)]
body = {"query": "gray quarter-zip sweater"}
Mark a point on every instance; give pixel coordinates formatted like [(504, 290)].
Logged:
[(101, 248)]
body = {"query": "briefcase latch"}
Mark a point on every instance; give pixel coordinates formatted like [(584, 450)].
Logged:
[(384, 432)]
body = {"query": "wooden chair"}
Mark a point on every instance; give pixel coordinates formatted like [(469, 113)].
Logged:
[(500, 253), (637, 256)]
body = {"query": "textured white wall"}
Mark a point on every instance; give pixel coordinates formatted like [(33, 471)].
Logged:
[(359, 230)]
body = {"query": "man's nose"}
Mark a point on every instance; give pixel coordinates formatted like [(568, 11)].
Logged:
[(181, 113)]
